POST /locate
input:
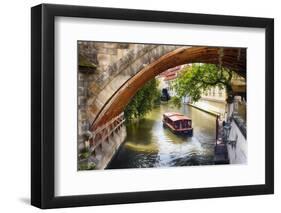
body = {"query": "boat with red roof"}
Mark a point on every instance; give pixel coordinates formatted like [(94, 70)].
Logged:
[(178, 123)]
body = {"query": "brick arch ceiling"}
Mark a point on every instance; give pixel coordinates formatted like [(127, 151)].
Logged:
[(232, 58)]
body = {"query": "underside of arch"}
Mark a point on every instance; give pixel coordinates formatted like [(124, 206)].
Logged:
[(232, 58)]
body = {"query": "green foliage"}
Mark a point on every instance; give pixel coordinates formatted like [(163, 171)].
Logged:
[(176, 101), (86, 166), (144, 100), (84, 153), (83, 62), (198, 78), (83, 162)]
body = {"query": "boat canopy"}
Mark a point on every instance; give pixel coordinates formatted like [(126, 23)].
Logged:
[(175, 116)]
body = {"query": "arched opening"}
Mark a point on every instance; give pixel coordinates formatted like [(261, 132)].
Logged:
[(232, 58)]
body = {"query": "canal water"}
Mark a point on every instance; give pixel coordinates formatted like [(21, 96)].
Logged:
[(149, 144)]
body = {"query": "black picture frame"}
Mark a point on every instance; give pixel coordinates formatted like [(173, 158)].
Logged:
[(43, 102)]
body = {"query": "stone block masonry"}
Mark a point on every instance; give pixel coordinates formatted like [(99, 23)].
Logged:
[(98, 57)]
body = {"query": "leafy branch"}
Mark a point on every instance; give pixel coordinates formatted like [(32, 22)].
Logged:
[(196, 79)]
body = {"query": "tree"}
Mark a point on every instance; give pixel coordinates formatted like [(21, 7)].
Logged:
[(196, 79), (144, 100)]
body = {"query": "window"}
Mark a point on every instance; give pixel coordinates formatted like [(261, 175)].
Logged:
[(220, 92)]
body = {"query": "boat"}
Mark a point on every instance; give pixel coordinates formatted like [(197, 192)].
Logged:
[(178, 123)]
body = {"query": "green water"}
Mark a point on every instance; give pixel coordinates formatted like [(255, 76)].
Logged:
[(149, 144)]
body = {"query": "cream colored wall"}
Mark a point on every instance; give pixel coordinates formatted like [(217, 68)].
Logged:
[(215, 94)]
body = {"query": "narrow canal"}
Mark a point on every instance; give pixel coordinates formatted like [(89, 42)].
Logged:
[(149, 144)]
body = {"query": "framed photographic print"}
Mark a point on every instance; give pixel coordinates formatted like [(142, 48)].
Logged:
[(139, 106)]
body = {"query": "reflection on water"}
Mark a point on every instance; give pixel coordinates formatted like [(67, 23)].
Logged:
[(149, 144)]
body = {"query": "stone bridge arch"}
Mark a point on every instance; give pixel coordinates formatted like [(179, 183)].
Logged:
[(116, 74), (124, 77)]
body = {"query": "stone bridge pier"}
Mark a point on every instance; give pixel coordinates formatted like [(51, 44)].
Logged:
[(95, 60)]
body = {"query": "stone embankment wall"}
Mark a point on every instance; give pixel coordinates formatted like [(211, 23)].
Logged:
[(237, 146), (108, 149)]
